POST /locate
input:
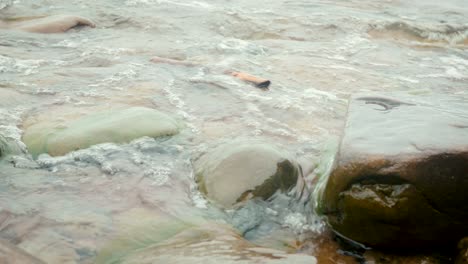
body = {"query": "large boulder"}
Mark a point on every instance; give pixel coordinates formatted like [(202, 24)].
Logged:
[(243, 169), (400, 177), (118, 126)]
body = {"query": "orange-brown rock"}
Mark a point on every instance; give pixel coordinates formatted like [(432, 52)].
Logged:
[(400, 177)]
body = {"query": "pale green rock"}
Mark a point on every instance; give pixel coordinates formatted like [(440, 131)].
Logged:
[(178, 242), (240, 170), (117, 126)]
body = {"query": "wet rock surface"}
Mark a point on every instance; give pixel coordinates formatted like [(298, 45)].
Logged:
[(8, 147), (10, 253), (117, 126), (400, 176), (207, 243), (462, 257), (316, 53), (45, 24), (241, 170)]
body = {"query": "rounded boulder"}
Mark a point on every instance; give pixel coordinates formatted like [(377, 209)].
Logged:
[(238, 171)]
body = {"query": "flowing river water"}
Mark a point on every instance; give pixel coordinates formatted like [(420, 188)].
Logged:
[(317, 53)]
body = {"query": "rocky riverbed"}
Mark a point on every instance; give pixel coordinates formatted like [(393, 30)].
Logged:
[(143, 131)]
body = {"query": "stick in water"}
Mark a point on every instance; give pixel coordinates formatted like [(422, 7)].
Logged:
[(258, 82)]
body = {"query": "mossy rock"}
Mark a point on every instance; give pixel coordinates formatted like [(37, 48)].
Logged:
[(240, 170), (401, 174), (117, 126)]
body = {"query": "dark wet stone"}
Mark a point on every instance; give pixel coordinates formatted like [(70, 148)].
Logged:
[(462, 257), (238, 171), (400, 177)]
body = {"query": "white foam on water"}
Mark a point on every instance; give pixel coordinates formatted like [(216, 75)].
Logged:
[(158, 174), (315, 93), (195, 195), (450, 73), (176, 100), (99, 50), (113, 81), (195, 4), (10, 119), (5, 3), (109, 157), (234, 45), (407, 79), (24, 67), (455, 61), (296, 221), (346, 51), (67, 43)]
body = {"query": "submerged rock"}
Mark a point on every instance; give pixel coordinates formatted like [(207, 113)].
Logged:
[(212, 244), (241, 170), (46, 24), (10, 253), (178, 242), (118, 126), (401, 174), (442, 33), (10, 98)]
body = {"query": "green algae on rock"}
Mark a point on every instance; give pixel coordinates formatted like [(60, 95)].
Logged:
[(240, 170), (117, 126), (401, 174)]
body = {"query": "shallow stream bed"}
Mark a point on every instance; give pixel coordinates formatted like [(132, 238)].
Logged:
[(69, 209)]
